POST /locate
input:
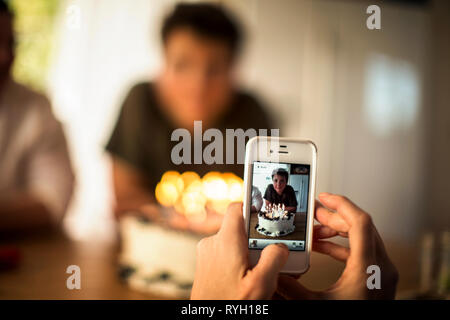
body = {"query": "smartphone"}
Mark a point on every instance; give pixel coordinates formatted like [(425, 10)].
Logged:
[(279, 179)]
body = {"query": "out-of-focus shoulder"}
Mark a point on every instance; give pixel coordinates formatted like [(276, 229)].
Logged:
[(252, 110), (248, 99), (139, 89), (27, 99), (138, 97)]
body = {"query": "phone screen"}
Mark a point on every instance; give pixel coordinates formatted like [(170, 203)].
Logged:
[(279, 205)]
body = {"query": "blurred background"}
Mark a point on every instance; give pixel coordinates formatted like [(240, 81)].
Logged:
[(374, 101)]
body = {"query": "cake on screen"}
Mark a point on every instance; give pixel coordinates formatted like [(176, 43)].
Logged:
[(275, 221)]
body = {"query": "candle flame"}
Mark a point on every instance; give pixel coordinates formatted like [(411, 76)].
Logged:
[(191, 195)]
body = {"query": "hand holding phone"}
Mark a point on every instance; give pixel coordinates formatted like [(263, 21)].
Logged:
[(223, 270), (279, 180), (222, 264), (338, 216)]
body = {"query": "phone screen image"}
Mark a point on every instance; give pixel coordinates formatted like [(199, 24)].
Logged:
[(279, 205)]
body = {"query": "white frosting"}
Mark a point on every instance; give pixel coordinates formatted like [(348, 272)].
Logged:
[(152, 249), (273, 228)]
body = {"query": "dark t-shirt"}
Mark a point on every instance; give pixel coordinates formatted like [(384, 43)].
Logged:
[(287, 197), (142, 135)]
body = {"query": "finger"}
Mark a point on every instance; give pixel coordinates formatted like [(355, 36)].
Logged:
[(289, 288), (233, 221), (347, 209), (331, 249), (323, 232), (360, 223), (330, 219), (209, 226), (270, 263)]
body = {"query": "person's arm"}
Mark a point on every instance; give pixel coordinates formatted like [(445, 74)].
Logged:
[(222, 270), (129, 181), (48, 176), (338, 216), (130, 188), (290, 209), (257, 200), (133, 197)]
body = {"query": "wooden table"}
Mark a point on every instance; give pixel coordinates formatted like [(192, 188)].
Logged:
[(42, 271)]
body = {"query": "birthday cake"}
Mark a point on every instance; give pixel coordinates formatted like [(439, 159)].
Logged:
[(155, 259), (275, 221)]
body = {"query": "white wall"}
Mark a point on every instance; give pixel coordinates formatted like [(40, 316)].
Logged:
[(357, 93)]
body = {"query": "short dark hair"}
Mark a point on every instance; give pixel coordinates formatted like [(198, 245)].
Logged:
[(281, 172), (206, 19)]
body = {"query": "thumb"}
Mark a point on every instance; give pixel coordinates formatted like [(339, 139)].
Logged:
[(271, 261), (290, 289)]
